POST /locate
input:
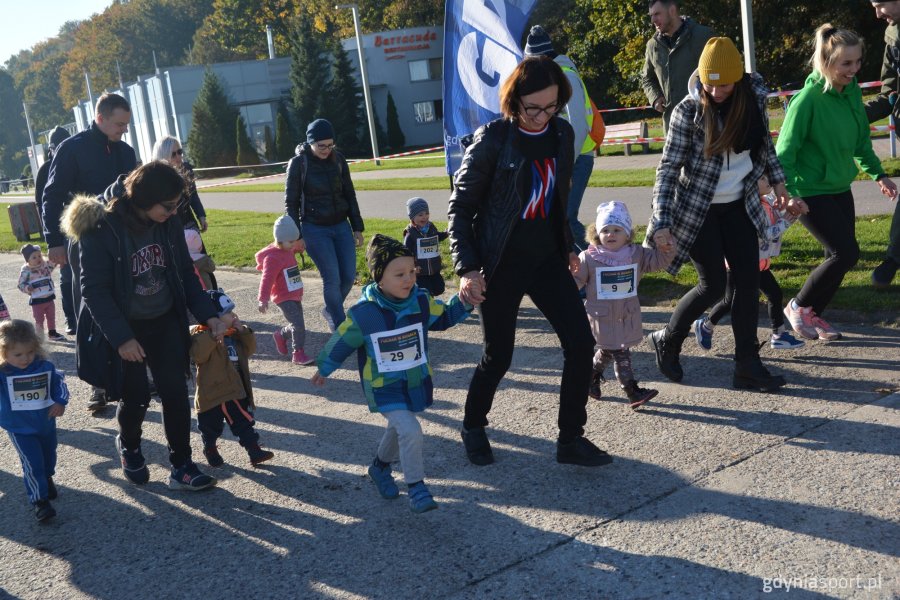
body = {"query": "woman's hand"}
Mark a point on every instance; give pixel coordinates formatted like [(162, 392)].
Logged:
[(782, 197), (472, 288), (203, 224), (217, 327), (358, 238), (888, 187), (664, 240), (796, 207), (574, 263), (132, 351)]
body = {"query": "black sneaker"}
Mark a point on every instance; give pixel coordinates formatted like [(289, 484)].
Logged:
[(597, 380), (189, 477), (43, 510), (884, 273), (478, 448), (213, 458), (55, 336), (667, 350), (52, 492), (70, 330), (581, 451), (638, 396), (133, 464), (258, 455), (97, 401)]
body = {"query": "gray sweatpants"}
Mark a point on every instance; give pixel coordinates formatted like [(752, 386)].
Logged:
[(293, 312), (403, 439)]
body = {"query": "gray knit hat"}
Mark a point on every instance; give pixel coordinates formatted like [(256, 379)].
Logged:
[(28, 249), (416, 205), (285, 230), (539, 43)]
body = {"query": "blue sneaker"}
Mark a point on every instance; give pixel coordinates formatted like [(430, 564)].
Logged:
[(383, 481), (703, 335), (133, 465), (189, 477), (785, 341), (420, 499)]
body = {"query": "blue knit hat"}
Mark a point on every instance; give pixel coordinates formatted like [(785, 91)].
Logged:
[(416, 205), (320, 129), (538, 43), (224, 303)]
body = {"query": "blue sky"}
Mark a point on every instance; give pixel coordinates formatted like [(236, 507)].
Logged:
[(27, 22)]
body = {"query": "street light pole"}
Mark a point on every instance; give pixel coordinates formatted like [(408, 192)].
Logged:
[(365, 79)]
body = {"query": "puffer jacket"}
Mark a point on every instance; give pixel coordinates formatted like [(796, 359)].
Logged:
[(320, 192), (217, 381), (490, 190), (107, 287)]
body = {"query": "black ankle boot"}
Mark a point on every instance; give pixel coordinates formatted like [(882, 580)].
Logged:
[(638, 396), (596, 380), (750, 374), (668, 349)]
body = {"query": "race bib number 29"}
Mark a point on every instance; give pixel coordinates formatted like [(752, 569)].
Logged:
[(399, 349)]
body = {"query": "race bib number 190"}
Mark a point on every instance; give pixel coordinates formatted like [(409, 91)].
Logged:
[(399, 349), (29, 392)]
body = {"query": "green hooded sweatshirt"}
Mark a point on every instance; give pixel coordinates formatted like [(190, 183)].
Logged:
[(823, 138)]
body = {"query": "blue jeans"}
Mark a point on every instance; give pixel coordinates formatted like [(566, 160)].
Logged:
[(333, 251), (581, 172)]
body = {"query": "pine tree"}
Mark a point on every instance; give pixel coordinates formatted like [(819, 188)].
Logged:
[(379, 133), (246, 152), (309, 90), (211, 141), (345, 110), (284, 138), (396, 139), (270, 144)]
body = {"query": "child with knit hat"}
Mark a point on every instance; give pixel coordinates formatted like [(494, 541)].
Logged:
[(423, 239), (281, 283), (391, 322), (224, 392), (35, 279), (610, 270)]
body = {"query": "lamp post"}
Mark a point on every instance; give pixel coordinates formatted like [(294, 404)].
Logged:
[(365, 79)]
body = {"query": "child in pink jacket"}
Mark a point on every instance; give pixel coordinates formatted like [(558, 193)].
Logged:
[(611, 269), (281, 283)]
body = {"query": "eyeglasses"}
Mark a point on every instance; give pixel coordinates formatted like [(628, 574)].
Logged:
[(534, 111), (178, 152), (170, 207), (324, 147)]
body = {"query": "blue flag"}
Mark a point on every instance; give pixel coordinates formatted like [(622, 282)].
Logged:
[(481, 48)]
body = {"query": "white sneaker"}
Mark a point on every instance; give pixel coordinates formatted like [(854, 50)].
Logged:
[(328, 320), (824, 330), (801, 320)]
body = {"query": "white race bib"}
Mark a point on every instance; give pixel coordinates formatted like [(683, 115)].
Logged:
[(614, 283), (292, 278), (41, 288), (29, 392), (399, 349), (427, 247)]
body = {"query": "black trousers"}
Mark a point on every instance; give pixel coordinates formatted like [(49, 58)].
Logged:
[(832, 221), (768, 285), (162, 339), (727, 233), (552, 289), (240, 420)]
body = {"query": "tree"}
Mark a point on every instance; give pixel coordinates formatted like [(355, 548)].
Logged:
[(13, 134), (269, 141), (379, 133), (284, 138), (344, 108), (211, 141), (395, 138), (308, 77), (246, 152)]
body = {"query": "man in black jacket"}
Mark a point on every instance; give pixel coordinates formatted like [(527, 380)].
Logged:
[(86, 163)]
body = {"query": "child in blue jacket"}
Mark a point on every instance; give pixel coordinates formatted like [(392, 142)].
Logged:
[(32, 394), (391, 322)]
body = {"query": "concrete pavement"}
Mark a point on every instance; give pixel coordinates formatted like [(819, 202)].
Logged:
[(714, 493)]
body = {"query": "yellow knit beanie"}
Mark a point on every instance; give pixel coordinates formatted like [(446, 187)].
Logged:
[(720, 62)]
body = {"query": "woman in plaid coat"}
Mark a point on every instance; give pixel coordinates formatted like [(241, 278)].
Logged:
[(705, 203)]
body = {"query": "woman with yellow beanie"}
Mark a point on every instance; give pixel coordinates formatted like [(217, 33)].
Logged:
[(706, 205)]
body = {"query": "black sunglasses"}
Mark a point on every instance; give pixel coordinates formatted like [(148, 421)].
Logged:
[(178, 152)]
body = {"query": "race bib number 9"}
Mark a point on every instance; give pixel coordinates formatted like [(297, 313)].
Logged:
[(29, 392), (399, 349), (614, 283), (427, 248), (292, 278)]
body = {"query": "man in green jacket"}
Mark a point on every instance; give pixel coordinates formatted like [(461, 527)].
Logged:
[(672, 55), (883, 105)]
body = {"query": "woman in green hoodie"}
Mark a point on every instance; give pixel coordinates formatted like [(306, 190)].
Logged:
[(824, 137)]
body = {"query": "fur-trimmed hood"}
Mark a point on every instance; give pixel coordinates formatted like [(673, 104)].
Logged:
[(81, 215)]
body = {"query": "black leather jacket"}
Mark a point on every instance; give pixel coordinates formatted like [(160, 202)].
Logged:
[(320, 192), (489, 193)]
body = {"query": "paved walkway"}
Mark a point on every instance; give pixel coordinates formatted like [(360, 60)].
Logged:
[(714, 493)]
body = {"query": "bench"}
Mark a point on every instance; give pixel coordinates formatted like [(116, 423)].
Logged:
[(637, 129)]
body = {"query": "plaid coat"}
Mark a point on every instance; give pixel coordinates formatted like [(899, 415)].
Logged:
[(686, 181)]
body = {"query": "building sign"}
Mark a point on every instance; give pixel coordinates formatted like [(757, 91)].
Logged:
[(405, 43)]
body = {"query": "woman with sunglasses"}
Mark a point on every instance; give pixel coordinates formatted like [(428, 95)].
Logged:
[(509, 237), (319, 196), (190, 209)]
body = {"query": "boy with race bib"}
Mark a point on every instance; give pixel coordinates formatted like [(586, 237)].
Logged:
[(281, 283), (32, 394), (391, 323), (423, 240), (611, 268)]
